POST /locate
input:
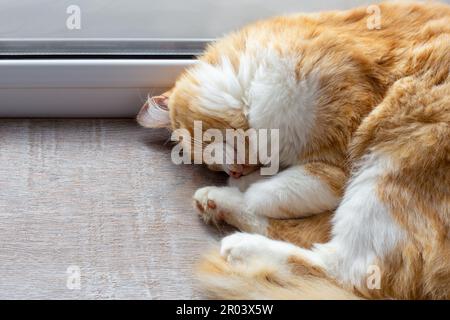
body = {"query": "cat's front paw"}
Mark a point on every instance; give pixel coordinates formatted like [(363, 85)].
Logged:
[(206, 202)]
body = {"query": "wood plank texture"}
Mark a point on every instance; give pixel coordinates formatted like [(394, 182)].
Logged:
[(102, 195)]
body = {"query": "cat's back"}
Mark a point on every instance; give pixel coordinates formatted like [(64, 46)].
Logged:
[(388, 29), (403, 19)]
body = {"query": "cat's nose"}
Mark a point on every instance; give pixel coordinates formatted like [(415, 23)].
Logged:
[(235, 174)]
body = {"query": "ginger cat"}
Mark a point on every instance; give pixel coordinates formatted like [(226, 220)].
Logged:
[(364, 132)]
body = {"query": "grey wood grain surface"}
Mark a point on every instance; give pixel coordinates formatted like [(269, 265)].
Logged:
[(102, 196)]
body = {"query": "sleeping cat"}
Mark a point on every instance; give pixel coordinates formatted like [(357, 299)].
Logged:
[(364, 145)]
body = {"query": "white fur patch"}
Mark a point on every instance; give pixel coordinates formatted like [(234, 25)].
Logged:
[(265, 87), (363, 229), (246, 248), (294, 190), (278, 100), (220, 86)]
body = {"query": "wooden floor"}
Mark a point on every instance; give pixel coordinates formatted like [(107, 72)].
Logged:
[(99, 201)]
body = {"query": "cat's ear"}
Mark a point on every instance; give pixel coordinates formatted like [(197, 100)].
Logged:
[(155, 112)]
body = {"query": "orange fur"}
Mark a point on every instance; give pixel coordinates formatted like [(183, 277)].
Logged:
[(302, 232), (381, 90)]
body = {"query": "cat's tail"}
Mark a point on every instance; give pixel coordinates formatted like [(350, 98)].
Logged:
[(262, 281)]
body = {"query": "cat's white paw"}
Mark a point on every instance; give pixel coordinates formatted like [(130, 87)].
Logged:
[(240, 247), (244, 182), (206, 201), (245, 247)]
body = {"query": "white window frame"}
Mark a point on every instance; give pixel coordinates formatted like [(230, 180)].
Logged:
[(88, 77), (83, 87)]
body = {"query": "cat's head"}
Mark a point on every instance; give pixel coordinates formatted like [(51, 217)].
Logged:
[(197, 98)]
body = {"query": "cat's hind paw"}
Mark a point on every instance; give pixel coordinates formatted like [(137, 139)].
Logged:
[(240, 247), (245, 248)]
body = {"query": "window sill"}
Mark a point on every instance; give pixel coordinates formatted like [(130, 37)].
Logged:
[(83, 87)]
